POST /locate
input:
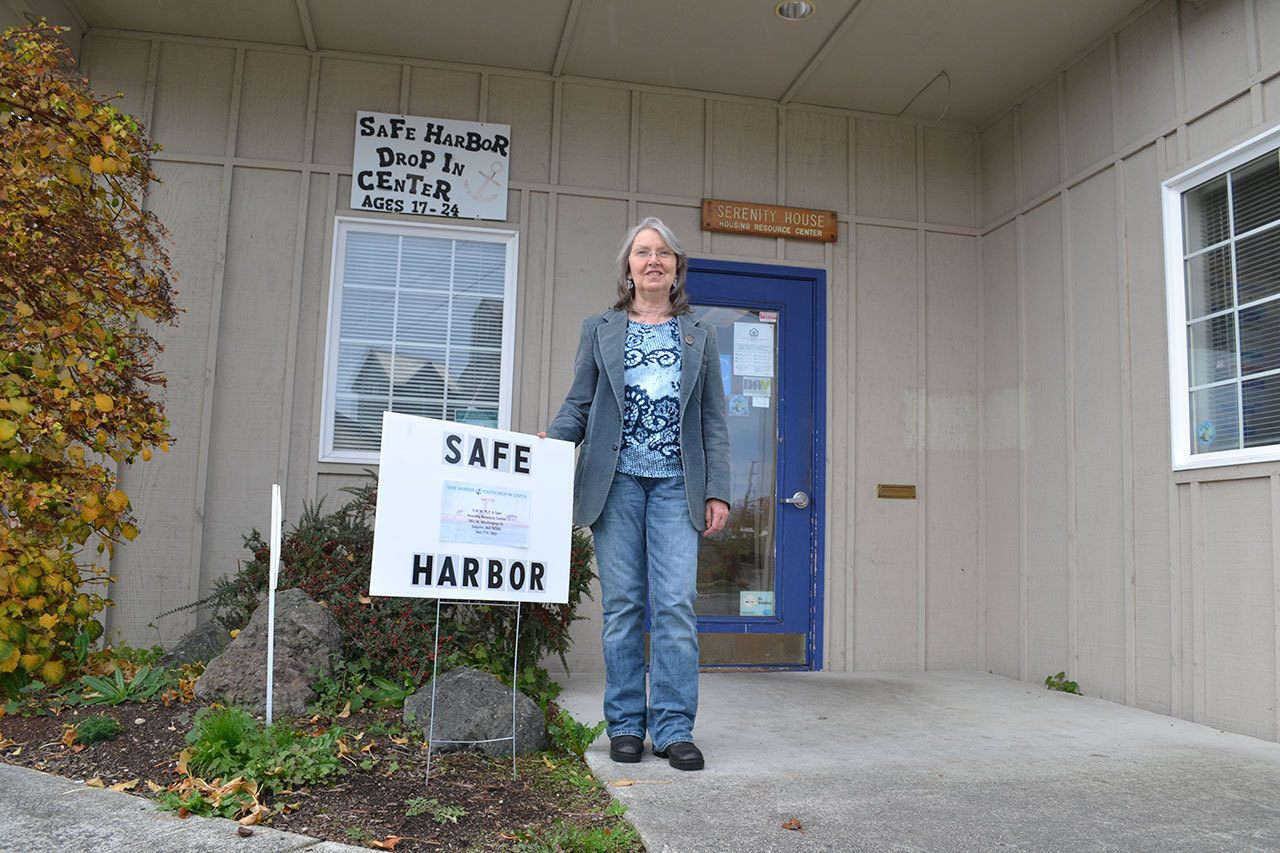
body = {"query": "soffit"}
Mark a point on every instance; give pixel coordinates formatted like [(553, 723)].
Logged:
[(869, 55)]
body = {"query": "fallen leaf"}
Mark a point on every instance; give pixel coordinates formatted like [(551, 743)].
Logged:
[(626, 783), (345, 712), (183, 758), (547, 761), (95, 782), (364, 599), (68, 735), (153, 787), (399, 741), (184, 813), (388, 843), (5, 743), (125, 786), (793, 825), (244, 832)]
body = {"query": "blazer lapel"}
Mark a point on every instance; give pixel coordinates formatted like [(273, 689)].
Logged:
[(612, 337), (693, 339)]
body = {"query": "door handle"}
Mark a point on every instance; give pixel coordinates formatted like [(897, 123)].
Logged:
[(799, 500)]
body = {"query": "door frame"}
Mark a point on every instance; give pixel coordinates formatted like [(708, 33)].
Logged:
[(816, 278)]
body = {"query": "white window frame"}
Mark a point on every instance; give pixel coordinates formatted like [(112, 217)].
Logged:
[(345, 224), (1181, 434)]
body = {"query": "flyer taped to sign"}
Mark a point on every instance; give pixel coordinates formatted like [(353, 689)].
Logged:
[(470, 513)]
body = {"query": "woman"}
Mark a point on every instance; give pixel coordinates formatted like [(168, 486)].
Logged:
[(647, 407)]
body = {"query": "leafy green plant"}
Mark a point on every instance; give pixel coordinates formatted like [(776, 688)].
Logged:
[(355, 682), (441, 814), (96, 729), (565, 837), (197, 803), (115, 689), (570, 736), (328, 555), (1060, 682), (227, 742)]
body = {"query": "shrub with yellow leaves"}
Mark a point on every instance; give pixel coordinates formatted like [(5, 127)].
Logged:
[(84, 279)]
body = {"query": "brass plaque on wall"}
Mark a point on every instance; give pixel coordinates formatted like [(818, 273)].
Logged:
[(768, 220), (896, 491)]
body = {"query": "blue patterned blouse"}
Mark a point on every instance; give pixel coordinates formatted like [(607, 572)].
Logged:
[(651, 404)]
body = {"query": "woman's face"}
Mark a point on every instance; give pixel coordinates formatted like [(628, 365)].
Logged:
[(653, 264)]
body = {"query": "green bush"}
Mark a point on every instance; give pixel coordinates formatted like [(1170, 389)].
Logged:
[(227, 742), (570, 736), (328, 555), (96, 729), (565, 837)]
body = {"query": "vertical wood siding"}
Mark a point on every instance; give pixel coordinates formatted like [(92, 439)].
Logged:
[(1149, 588), (256, 163)]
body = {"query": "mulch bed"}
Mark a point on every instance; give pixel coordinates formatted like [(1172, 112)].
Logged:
[(366, 805)]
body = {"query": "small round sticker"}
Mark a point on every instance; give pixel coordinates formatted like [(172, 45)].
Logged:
[(1206, 432)]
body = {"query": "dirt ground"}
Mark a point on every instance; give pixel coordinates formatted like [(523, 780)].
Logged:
[(382, 795)]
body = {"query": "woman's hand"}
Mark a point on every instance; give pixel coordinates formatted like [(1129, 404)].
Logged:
[(540, 434), (717, 515)]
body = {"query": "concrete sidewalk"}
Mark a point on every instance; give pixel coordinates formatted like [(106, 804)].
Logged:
[(940, 761), (40, 812)]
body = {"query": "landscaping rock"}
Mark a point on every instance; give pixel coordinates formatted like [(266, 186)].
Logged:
[(308, 642), (198, 646), (473, 705)]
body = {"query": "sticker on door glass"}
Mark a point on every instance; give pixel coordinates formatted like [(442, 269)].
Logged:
[(757, 386), (752, 349), (755, 603), (738, 407)]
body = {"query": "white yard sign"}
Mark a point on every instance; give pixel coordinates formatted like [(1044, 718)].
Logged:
[(471, 513), (430, 166)]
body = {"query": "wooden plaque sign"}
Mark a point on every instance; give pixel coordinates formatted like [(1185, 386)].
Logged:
[(768, 220)]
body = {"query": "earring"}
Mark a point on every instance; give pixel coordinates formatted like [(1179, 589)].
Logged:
[(631, 285)]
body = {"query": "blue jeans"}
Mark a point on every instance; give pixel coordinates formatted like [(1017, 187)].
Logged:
[(646, 546)]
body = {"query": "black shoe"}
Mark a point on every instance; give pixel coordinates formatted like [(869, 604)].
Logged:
[(683, 755), (626, 749)]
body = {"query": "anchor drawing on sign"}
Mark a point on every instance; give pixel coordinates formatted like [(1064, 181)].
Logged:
[(482, 192)]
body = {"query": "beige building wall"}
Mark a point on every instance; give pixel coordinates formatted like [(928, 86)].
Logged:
[(256, 161), (1151, 588)]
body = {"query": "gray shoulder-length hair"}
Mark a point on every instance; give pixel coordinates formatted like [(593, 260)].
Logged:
[(626, 290)]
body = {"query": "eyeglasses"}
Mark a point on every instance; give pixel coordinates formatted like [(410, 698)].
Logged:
[(646, 254)]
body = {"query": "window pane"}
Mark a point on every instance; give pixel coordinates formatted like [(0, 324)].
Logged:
[(476, 322), (1258, 265), (479, 269), (362, 372), (1255, 191), (1211, 350), (477, 377), (1215, 420), (1262, 411), (367, 314), (420, 407), (357, 425), (1260, 338), (422, 318), (1209, 282), (370, 259), (1204, 215), (426, 263)]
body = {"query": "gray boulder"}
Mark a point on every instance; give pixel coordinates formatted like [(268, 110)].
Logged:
[(473, 705), (202, 644), (308, 641)]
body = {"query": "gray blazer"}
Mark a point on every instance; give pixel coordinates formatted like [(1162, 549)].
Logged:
[(592, 415)]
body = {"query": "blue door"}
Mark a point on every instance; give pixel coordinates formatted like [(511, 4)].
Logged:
[(760, 580)]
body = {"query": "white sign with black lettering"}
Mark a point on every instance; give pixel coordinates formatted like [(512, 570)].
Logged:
[(472, 513), (430, 166)]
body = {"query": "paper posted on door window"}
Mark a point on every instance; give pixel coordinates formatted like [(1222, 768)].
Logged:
[(752, 349)]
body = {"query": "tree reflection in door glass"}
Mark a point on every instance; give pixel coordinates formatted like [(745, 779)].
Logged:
[(736, 567)]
